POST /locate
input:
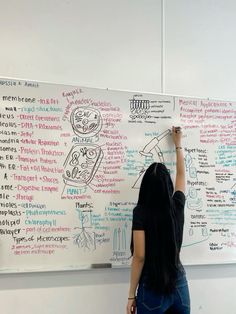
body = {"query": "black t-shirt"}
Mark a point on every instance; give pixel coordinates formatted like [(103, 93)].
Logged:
[(178, 202)]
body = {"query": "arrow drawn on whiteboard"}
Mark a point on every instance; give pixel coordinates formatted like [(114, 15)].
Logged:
[(194, 243), (119, 238), (233, 186)]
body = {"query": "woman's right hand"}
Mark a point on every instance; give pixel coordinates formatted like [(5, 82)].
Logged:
[(176, 135), (131, 307)]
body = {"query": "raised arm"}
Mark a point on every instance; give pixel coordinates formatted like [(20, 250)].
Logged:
[(180, 168)]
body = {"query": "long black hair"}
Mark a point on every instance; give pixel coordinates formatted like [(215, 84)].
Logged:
[(161, 248)]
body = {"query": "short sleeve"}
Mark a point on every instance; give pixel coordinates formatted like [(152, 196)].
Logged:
[(179, 203), (179, 200), (138, 219)]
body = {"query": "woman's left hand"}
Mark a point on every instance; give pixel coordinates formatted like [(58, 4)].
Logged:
[(131, 307)]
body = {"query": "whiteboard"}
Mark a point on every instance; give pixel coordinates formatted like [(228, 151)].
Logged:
[(71, 162)]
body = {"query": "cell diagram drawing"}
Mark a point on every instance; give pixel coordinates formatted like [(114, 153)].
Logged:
[(86, 121), (82, 164)]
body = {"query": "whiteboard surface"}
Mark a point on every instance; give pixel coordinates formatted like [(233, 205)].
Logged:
[(72, 159)]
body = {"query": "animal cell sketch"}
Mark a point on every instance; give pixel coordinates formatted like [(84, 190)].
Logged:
[(147, 151), (119, 239), (194, 202), (86, 121), (85, 238), (82, 164)]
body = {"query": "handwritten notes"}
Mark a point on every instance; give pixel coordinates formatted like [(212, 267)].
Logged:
[(71, 163)]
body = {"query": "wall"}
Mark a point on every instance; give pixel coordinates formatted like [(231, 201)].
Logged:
[(183, 47)]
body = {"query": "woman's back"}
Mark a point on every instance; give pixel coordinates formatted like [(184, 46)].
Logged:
[(160, 214), (157, 234)]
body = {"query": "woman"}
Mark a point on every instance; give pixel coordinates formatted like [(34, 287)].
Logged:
[(157, 234)]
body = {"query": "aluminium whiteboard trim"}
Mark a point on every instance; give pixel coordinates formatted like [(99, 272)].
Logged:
[(121, 90), (91, 268)]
